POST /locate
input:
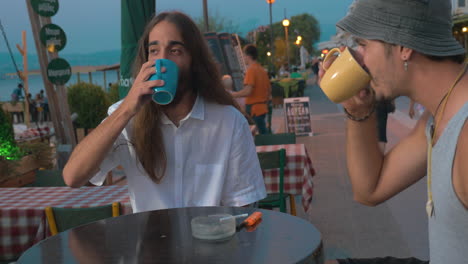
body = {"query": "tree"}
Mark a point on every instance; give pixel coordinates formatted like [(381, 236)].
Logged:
[(218, 24), (90, 102), (304, 25)]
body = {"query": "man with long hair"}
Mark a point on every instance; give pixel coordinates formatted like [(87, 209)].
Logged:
[(408, 48), (195, 151)]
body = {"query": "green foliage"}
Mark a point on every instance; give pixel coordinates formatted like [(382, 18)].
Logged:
[(8, 148), (90, 102), (7, 167), (304, 25), (217, 23), (42, 153), (113, 93)]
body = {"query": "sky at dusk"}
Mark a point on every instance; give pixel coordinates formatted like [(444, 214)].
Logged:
[(94, 25)]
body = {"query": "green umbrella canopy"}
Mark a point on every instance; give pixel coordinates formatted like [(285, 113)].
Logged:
[(135, 15)]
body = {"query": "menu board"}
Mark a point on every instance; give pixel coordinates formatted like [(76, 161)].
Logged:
[(229, 45), (297, 116), (215, 47)]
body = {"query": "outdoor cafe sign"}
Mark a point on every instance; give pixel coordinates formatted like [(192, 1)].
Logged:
[(59, 71), (53, 37), (45, 8)]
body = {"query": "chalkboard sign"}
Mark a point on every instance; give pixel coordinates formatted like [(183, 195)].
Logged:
[(297, 116), (230, 55), (215, 47)]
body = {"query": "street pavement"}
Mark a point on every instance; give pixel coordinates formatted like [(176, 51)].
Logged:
[(397, 227)]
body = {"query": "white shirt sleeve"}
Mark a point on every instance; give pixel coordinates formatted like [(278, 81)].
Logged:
[(111, 161), (244, 180)]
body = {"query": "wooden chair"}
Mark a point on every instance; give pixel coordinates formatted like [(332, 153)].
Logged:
[(275, 160), (275, 139), (61, 219)]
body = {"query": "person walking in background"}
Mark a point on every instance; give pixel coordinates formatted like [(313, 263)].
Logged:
[(32, 108), (315, 68), (295, 74), (412, 52), (39, 103), (39, 96), (195, 151), (17, 94), (45, 108), (257, 89), (283, 71)]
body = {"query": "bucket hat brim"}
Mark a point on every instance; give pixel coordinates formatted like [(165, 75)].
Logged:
[(422, 36)]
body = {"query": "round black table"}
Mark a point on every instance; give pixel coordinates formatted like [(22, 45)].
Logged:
[(165, 236)]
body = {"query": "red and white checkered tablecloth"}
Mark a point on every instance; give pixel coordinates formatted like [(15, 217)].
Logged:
[(33, 133), (22, 216), (297, 173)]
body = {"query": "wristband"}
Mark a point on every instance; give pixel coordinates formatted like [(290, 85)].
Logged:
[(359, 119)]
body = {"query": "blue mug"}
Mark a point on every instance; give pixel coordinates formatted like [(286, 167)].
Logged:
[(164, 95)]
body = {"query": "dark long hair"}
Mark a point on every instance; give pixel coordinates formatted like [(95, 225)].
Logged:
[(205, 80)]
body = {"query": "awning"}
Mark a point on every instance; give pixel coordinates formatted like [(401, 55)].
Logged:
[(135, 15)]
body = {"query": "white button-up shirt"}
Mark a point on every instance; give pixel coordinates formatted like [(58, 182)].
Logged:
[(211, 161)]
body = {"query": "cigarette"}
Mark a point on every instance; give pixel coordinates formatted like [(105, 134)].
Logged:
[(232, 216)]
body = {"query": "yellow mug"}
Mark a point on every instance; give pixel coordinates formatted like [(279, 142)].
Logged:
[(344, 78)]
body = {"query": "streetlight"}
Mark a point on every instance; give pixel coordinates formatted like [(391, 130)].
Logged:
[(298, 43), (268, 54), (270, 3), (298, 40), (286, 25)]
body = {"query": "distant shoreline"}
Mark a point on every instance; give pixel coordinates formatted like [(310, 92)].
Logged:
[(86, 59), (36, 84)]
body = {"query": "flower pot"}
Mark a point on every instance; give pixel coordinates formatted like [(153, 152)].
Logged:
[(22, 174)]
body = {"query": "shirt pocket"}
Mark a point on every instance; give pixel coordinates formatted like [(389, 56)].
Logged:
[(207, 185)]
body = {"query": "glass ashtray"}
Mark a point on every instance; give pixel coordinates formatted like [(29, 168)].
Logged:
[(212, 228)]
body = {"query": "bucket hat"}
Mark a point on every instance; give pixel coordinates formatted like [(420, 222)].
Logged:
[(422, 25)]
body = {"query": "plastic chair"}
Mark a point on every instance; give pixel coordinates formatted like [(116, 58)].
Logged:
[(275, 160), (275, 139), (61, 219), (48, 178)]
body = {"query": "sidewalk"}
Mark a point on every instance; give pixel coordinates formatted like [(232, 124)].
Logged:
[(397, 227)]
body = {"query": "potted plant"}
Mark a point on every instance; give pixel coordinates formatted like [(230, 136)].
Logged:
[(19, 162)]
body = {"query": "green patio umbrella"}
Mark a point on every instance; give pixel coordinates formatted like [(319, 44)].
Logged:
[(135, 15)]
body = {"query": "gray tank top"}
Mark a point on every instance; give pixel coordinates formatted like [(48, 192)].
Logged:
[(448, 227)]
